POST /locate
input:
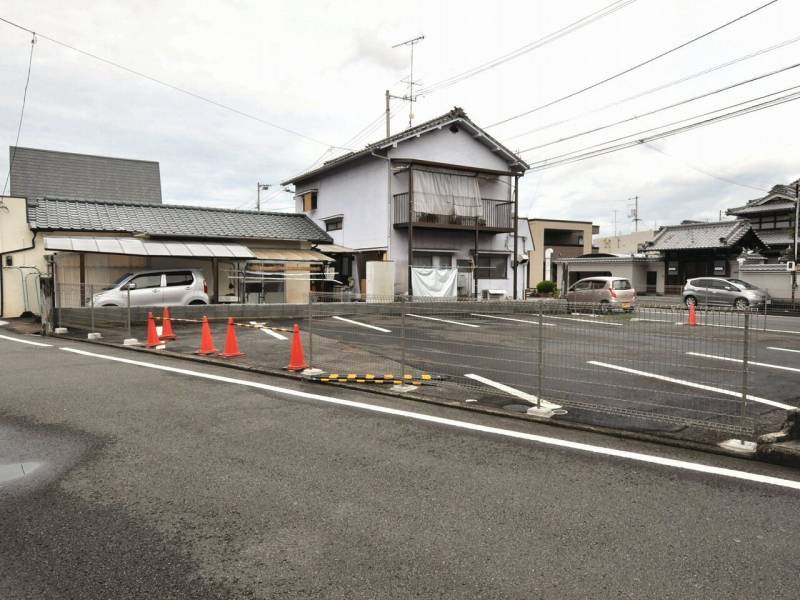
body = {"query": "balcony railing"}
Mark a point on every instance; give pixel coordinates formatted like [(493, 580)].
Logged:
[(496, 215)]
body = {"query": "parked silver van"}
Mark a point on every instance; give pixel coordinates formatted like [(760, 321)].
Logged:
[(174, 287), (609, 293)]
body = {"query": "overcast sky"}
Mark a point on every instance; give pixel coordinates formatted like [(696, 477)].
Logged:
[(321, 68)]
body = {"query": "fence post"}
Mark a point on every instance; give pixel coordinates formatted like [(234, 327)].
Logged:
[(130, 333), (310, 330), (745, 365), (91, 306), (540, 358), (402, 337)]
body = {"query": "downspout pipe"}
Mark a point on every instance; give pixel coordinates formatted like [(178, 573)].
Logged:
[(388, 203)]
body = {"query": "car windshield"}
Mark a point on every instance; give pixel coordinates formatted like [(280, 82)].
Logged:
[(742, 284), (118, 281)]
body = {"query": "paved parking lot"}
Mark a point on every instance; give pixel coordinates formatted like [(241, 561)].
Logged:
[(647, 372)]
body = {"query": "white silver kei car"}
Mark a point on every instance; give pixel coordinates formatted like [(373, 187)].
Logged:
[(173, 287)]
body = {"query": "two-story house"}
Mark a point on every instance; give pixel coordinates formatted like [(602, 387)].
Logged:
[(441, 194), (773, 217)]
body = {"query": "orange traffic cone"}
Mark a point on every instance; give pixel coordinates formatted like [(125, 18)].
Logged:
[(152, 334), (297, 361), (166, 326), (692, 316), (206, 341), (231, 343)]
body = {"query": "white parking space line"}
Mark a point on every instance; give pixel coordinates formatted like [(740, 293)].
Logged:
[(510, 319), (532, 398), (692, 384), (782, 349), (595, 321), (749, 362), (362, 324), (442, 320), (274, 334), (752, 327), (464, 425), (13, 339), (665, 321), (3, 323)]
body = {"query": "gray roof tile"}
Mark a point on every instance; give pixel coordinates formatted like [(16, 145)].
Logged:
[(171, 220), (720, 234), (38, 173)]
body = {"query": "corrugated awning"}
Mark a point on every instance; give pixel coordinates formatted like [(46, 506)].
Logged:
[(335, 249), (290, 255), (138, 247)]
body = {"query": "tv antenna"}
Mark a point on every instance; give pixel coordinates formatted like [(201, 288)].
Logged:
[(410, 96)]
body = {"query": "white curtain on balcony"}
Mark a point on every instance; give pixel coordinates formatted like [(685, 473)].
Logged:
[(447, 194)]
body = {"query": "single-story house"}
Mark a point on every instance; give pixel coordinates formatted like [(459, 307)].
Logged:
[(703, 250), (646, 273), (246, 256)]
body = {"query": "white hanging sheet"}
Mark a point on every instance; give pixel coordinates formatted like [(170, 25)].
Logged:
[(434, 282), (447, 194)]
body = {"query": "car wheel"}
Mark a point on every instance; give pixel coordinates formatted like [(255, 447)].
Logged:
[(196, 303), (741, 303), (690, 301), (604, 307)]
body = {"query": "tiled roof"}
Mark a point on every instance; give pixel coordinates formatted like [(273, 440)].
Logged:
[(776, 238), (38, 173), (456, 114), (755, 209), (170, 220), (720, 234)]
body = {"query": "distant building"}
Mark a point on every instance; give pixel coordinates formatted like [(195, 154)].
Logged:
[(37, 173), (629, 243), (553, 240), (772, 216)]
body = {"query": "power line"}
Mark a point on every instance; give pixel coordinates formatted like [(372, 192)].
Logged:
[(580, 155), (634, 67), (21, 113), (655, 148), (663, 108), (550, 37), (678, 122), (659, 87), (171, 86)]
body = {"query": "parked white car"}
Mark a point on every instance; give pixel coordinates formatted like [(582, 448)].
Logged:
[(175, 287)]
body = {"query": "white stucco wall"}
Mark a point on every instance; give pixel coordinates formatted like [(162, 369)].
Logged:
[(360, 194)]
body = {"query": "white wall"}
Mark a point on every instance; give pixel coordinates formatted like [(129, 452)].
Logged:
[(360, 194), (453, 148)]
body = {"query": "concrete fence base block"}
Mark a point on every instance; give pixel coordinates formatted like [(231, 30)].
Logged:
[(60, 330), (403, 388), (130, 342), (738, 446), (94, 336), (312, 372), (543, 412)]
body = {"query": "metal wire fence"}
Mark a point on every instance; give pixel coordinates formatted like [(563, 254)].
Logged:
[(648, 370)]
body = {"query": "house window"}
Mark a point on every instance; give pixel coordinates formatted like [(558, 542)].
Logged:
[(432, 259), (492, 267), (309, 201), (334, 224)]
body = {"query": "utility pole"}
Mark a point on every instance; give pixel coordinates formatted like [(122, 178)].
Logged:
[(410, 97), (388, 117), (615, 222), (260, 186), (796, 225), (634, 214)]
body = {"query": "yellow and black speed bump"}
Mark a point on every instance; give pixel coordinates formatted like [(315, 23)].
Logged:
[(407, 378)]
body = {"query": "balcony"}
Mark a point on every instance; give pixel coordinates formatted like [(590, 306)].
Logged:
[(495, 216)]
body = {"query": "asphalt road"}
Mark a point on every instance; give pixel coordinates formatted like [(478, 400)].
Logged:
[(202, 483)]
